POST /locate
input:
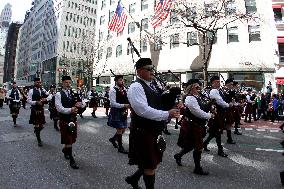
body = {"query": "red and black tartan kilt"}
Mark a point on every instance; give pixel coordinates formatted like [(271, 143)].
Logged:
[(143, 150), (191, 135), (106, 104), (37, 116), (229, 115), (248, 108), (237, 113), (217, 124), (66, 136), (93, 103)]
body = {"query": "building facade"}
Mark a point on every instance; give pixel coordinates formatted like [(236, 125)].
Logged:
[(10, 52), (5, 19), (278, 10), (238, 51), (51, 40)]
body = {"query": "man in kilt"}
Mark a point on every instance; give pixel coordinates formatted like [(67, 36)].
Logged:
[(106, 100), (93, 96), (218, 124), (67, 104), (193, 129), (14, 96), (37, 98), (52, 109), (248, 108), (229, 115), (146, 144), (118, 112)]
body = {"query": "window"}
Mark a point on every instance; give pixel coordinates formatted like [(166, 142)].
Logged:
[(103, 4), (102, 20), (100, 36), (100, 54), (191, 13), (109, 52), (230, 7), (112, 2), (144, 24), (132, 8), (208, 9), (277, 14), (144, 5), (233, 34), (118, 50), (131, 27), (210, 37), (254, 33), (110, 15), (192, 38), (173, 18), (144, 45), (129, 49), (250, 6), (158, 44), (174, 41)]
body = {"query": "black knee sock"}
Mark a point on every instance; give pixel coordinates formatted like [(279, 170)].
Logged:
[(183, 152), (218, 141), (135, 177), (149, 181), (206, 142), (14, 119), (229, 135), (37, 132), (119, 140), (55, 124), (197, 158)]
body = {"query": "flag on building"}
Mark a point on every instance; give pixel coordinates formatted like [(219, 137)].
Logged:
[(118, 20), (162, 10)]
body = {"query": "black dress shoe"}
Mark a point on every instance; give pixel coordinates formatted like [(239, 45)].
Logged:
[(39, 143), (231, 142), (237, 133), (134, 184), (200, 171), (65, 154), (206, 149), (178, 159), (74, 165), (112, 141), (122, 150), (222, 154)]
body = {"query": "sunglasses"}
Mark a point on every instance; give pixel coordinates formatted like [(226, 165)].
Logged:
[(197, 87)]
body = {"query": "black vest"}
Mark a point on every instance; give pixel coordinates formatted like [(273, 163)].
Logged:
[(121, 96), (155, 101), (37, 96), (205, 106), (220, 109), (14, 94), (68, 103)]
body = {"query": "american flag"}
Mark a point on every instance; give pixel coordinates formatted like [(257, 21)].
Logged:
[(118, 20), (162, 10)]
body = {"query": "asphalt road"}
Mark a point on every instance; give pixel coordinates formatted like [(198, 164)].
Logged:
[(254, 162)]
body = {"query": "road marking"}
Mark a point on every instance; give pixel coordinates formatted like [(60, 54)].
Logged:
[(260, 129), (239, 159), (274, 130), (248, 129), (6, 118), (269, 150)]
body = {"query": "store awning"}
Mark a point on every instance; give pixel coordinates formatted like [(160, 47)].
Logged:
[(280, 39), (280, 81), (277, 6)]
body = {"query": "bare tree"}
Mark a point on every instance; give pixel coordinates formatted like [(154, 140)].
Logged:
[(207, 17)]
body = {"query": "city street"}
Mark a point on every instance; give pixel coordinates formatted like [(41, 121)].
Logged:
[(254, 162)]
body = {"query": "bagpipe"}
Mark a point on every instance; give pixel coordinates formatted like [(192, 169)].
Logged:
[(71, 126)]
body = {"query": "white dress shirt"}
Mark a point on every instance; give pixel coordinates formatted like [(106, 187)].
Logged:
[(214, 94), (9, 93), (112, 98), (138, 101), (248, 99), (194, 108), (59, 106), (30, 95)]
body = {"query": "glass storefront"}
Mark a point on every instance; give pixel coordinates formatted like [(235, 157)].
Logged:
[(252, 80)]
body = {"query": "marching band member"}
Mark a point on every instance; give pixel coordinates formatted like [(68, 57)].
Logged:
[(216, 129), (52, 109), (81, 96), (118, 112), (93, 96), (229, 114), (248, 109), (106, 100), (67, 104), (193, 129), (146, 144), (14, 96), (37, 98)]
